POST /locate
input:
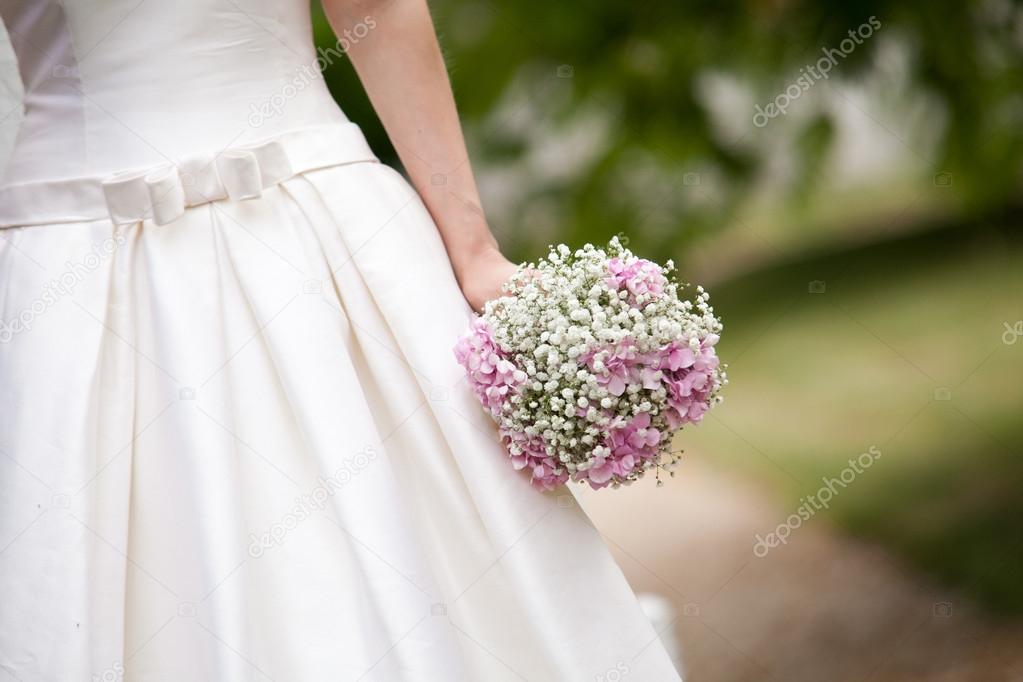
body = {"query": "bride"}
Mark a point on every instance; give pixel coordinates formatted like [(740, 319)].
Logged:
[(234, 442)]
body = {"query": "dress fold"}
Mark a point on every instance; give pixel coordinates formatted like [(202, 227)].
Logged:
[(240, 448)]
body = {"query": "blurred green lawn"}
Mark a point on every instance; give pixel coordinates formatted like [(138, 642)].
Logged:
[(819, 378), (910, 305)]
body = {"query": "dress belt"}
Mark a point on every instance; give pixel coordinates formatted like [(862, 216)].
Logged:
[(162, 193)]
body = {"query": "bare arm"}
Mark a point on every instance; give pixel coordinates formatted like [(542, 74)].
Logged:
[(400, 65)]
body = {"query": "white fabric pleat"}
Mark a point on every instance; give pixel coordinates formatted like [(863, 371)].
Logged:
[(193, 390)]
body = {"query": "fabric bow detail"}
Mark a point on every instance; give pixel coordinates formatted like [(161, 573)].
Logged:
[(162, 193)]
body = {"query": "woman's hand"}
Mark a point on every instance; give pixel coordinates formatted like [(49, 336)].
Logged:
[(401, 66), (481, 276)]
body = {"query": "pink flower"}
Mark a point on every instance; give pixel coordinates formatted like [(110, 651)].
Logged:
[(630, 444), (681, 376), (689, 385), (675, 356), (530, 453), (651, 377), (621, 367), (635, 439), (492, 376), (637, 275)]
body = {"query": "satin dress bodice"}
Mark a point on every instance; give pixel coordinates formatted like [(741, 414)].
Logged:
[(122, 84)]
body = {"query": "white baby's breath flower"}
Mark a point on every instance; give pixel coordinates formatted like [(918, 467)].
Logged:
[(563, 326)]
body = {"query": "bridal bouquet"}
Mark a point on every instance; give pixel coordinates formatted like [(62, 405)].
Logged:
[(590, 361)]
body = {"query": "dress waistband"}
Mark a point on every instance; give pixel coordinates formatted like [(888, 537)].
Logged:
[(162, 193)]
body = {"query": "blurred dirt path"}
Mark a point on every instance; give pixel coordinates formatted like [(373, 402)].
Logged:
[(822, 607)]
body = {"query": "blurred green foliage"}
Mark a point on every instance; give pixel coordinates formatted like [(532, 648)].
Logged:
[(596, 116), (903, 351), (520, 66)]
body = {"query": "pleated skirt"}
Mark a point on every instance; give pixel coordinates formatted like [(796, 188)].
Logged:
[(236, 446)]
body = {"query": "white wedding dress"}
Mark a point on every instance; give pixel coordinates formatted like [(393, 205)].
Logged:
[(234, 442)]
